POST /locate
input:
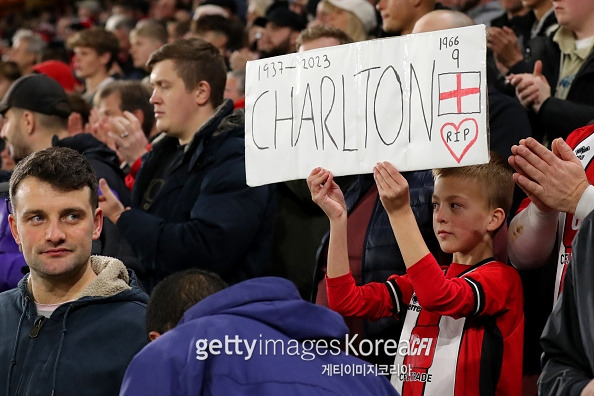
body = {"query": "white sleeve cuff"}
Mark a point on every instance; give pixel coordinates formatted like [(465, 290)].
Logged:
[(585, 204)]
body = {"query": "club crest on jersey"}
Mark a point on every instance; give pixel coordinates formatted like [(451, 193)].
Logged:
[(414, 304), (581, 151)]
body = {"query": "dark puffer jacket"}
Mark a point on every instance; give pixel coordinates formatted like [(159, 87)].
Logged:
[(568, 359), (204, 215)]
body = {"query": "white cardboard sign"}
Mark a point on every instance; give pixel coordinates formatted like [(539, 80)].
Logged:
[(418, 101)]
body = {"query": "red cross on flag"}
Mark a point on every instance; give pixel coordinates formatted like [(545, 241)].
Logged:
[(459, 93)]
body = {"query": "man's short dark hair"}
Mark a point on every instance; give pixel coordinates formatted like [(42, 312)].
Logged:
[(61, 167), (194, 61), (176, 294), (134, 95), (231, 28)]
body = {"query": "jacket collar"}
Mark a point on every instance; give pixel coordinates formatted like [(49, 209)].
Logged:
[(112, 278), (222, 121)]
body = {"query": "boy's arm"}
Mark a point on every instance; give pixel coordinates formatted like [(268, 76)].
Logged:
[(371, 301), (393, 192), (328, 196), (489, 290)]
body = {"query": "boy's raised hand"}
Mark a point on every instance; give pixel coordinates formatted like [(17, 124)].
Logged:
[(326, 193), (392, 187)]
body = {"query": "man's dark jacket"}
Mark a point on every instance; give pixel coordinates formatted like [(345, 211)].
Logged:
[(567, 341), (204, 215)]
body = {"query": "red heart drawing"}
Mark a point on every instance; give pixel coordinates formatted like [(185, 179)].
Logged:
[(458, 137)]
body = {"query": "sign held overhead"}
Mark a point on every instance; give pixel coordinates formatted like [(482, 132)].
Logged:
[(418, 101)]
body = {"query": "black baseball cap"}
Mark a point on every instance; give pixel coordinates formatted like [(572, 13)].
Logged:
[(38, 93), (283, 17)]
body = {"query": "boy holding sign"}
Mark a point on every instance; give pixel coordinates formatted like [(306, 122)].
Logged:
[(463, 331)]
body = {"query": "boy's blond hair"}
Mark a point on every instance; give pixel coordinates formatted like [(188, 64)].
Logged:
[(495, 178)]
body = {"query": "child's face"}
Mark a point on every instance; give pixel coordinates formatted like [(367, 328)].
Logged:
[(461, 219)]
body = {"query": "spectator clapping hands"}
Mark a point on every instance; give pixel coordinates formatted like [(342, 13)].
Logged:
[(128, 138), (531, 89)]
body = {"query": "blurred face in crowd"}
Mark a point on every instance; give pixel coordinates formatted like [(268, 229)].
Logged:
[(63, 30), (87, 63), (332, 16), (511, 5), (164, 9), (105, 110), (7, 161), (11, 132), (173, 104), (110, 106), (20, 55), (397, 16), (232, 88), (123, 39), (575, 15), (141, 49), (276, 40)]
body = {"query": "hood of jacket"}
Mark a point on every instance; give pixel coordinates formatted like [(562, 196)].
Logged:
[(112, 279), (223, 121), (275, 302), (222, 127)]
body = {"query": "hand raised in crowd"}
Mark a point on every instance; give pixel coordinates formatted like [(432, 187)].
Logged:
[(392, 187), (128, 137), (239, 58), (531, 89), (504, 44), (327, 194), (108, 202), (99, 127), (553, 180)]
